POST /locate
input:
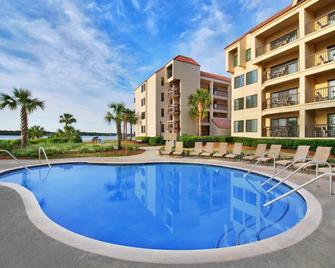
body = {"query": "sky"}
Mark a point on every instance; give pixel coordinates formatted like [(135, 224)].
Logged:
[(80, 55)]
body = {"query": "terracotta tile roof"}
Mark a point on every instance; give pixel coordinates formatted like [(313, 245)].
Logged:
[(278, 14), (186, 59), (215, 76), (223, 123)]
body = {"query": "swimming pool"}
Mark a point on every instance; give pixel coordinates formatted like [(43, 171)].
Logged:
[(164, 206)]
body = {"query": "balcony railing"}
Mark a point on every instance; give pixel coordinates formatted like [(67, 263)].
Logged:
[(321, 23), (280, 42), (217, 106), (220, 93), (324, 94), (282, 70), (274, 102), (320, 131), (174, 126), (173, 92), (320, 58), (281, 131), (174, 109)]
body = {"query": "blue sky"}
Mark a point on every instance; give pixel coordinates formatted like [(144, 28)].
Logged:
[(80, 55)]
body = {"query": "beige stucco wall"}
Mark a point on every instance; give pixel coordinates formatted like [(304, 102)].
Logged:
[(306, 79)]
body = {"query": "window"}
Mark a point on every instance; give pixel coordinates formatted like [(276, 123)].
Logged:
[(239, 104), (162, 112), (142, 101), (239, 81), (143, 115), (162, 81), (162, 128), (169, 71), (235, 60), (248, 54), (238, 126), (251, 101), (142, 88), (284, 98), (143, 129), (162, 97), (252, 77), (251, 125)]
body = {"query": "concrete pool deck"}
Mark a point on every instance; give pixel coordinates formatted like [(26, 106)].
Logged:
[(23, 245)]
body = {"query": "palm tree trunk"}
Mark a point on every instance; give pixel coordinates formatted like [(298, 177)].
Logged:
[(131, 132), (24, 127), (119, 134), (199, 126)]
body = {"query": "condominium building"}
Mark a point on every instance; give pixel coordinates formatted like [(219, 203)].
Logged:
[(161, 101), (284, 74)]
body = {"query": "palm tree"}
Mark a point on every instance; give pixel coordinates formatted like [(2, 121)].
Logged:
[(126, 115), (132, 119), (116, 114), (23, 99), (36, 132), (67, 119), (199, 104)]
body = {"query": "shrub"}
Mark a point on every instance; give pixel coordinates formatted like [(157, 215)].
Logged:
[(9, 144), (190, 140), (158, 140), (143, 139)]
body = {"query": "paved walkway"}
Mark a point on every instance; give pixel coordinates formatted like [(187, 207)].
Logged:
[(23, 245)]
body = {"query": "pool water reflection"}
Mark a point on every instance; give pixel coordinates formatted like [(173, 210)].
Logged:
[(161, 206)]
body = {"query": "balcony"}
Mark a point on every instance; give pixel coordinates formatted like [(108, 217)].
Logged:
[(221, 107), (281, 131), (321, 23), (321, 58), (320, 131), (173, 126), (174, 109), (281, 70), (174, 92), (220, 93), (324, 94), (278, 43), (275, 102)]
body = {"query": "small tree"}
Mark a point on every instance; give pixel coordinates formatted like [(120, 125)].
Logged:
[(199, 104), (36, 132), (23, 99), (116, 114), (67, 119)]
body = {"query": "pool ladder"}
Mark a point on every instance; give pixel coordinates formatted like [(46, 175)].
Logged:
[(316, 179), (42, 150), (258, 161), (17, 160)]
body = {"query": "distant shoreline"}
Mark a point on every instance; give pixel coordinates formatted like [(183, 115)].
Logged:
[(84, 133)]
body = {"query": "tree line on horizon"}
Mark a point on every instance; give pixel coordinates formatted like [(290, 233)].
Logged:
[(23, 100)]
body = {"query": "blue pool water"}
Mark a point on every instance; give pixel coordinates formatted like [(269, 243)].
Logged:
[(160, 206)]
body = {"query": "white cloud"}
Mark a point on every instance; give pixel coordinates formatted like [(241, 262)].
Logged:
[(71, 65), (205, 41)]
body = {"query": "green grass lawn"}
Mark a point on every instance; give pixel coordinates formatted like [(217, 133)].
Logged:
[(59, 150)]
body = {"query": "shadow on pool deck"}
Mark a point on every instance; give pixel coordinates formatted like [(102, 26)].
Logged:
[(23, 245)]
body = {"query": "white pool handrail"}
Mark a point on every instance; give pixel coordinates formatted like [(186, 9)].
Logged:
[(303, 185), (41, 149), (310, 163), (285, 168), (258, 160), (17, 160)]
